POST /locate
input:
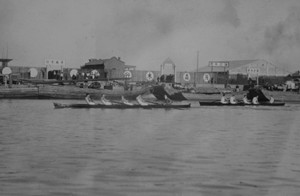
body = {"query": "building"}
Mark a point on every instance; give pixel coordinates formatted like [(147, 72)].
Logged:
[(107, 68), (238, 72)]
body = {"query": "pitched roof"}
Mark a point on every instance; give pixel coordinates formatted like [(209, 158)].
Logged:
[(168, 61), (239, 63), (296, 74), (95, 62), (101, 61), (231, 65)]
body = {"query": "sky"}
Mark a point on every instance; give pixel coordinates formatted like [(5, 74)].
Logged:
[(144, 33)]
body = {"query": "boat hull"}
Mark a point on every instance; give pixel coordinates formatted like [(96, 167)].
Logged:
[(120, 106), (218, 103)]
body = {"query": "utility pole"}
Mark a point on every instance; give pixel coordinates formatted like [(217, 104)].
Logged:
[(196, 75)]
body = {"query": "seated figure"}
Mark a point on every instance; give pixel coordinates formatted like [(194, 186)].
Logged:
[(167, 100), (140, 100), (245, 100), (105, 101), (272, 99), (223, 99), (125, 101), (233, 100), (89, 100), (255, 100)]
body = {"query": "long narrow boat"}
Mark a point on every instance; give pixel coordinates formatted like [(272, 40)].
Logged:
[(218, 103), (122, 106)]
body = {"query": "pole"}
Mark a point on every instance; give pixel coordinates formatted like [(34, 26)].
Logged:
[(257, 78), (211, 79), (196, 75), (10, 81)]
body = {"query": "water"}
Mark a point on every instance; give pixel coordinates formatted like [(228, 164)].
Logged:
[(198, 151)]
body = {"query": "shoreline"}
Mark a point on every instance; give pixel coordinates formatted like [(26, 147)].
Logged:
[(72, 92)]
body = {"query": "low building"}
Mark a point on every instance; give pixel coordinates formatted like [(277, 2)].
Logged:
[(239, 71), (106, 68)]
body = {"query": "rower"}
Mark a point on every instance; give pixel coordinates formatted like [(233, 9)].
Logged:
[(140, 100), (272, 99), (105, 101), (89, 100), (125, 101), (223, 99), (168, 100), (233, 100), (245, 100), (255, 100)]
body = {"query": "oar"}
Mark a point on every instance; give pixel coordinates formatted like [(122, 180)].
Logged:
[(215, 101), (153, 102)]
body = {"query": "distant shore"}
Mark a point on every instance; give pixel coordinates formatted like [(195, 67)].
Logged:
[(72, 92)]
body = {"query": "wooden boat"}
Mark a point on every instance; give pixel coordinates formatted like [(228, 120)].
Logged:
[(122, 106), (218, 103)]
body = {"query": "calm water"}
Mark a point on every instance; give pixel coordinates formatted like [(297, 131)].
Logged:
[(198, 151)]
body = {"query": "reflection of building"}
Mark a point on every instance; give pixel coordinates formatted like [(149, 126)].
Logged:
[(107, 68)]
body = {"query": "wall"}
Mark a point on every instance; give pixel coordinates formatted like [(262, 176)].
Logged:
[(23, 72), (114, 67), (141, 75), (201, 77)]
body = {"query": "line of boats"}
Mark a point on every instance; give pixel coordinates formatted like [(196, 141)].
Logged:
[(258, 100), (122, 104), (219, 103)]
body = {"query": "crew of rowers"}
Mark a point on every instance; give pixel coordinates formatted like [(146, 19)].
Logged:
[(232, 100), (104, 101)]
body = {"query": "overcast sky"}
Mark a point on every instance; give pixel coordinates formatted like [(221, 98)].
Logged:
[(146, 32)]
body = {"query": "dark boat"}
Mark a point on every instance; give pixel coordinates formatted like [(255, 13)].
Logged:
[(122, 106), (218, 103), (253, 92)]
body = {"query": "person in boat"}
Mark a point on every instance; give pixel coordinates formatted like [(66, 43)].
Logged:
[(224, 100), (255, 100), (89, 100), (140, 101), (233, 100), (125, 101), (272, 99), (245, 100), (168, 100), (105, 101)]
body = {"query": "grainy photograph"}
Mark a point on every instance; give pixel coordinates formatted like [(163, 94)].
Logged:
[(149, 97)]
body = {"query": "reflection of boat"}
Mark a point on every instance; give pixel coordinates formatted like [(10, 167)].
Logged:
[(218, 103), (122, 106)]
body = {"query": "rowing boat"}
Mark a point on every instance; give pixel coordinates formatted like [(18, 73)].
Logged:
[(218, 103), (122, 106)]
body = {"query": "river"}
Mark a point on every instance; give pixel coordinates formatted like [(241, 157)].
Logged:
[(136, 152)]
